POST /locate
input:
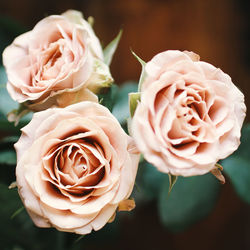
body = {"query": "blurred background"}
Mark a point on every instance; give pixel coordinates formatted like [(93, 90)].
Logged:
[(217, 30)]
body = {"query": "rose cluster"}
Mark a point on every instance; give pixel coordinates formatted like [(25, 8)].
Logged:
[(76, 166)]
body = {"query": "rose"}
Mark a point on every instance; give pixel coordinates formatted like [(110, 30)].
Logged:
[(75, 167), (58, 63), (190, 114)]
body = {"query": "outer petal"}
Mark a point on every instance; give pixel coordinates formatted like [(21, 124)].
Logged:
[(77, 17)]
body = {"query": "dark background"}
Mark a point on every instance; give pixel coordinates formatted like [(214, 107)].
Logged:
[(217, 30)]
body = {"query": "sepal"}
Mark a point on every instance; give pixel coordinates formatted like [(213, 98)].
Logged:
[(216, 171), (100, 78), (111, 48), (126, 205), (143, 72), (134, 98), (172, 181), (16, 114)]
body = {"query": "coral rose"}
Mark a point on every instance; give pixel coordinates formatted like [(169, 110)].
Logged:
[(75, 166), (58, 63), (190, 114)]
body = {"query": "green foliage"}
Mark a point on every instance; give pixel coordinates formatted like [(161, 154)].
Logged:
[(9, 29), (9, 140), (148, 182), (121, 107), (7, 157), (107, 96), (15, 229), (111, 48), (237, 166), (100, 239), (238, 170), (7, 104), (12, 234), (191, 199)]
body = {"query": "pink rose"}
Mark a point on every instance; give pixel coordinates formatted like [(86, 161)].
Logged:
[(59, 62), (190, 114), (75, 167)]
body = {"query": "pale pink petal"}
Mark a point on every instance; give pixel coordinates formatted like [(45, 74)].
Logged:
[(94, 204), (103, 217), (65, 218), (189, 116)]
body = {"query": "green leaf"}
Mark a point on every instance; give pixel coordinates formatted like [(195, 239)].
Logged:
[(14, 230), (149, 181), (8, 157), (16, 225), (133, 102), (101, 239), (121, 106), (192, 199), (6, 102), (9, 140), (17, 212), (237, 166), (5, 125), (143, 72), (10, 198), (107, 96), (172, 180), (3, 77), (79, 238), (243, 150), (7, 105), (238, 169), (111, 48)]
